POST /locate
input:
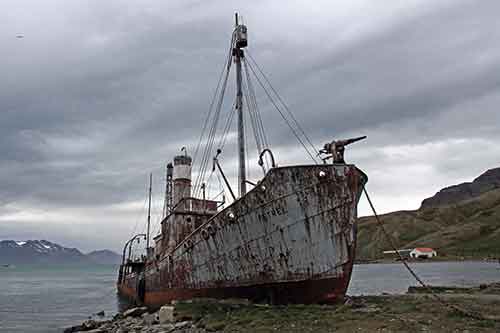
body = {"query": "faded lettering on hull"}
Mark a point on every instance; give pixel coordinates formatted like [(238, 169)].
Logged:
[(291, 237)]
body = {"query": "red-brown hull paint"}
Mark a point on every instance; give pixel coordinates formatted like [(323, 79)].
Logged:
[(322, 203), (315, 290)]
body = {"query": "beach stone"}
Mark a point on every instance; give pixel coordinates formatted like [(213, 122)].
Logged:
[(166, 314), (89, 325), (135, 312), (106, 327), (150, 319), (137, 327), (182, 325), (166, 327), (118, 316)]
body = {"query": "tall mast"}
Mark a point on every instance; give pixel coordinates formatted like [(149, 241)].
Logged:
[(149, 213), (240, 42)]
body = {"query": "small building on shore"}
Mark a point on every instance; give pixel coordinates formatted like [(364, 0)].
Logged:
[(423, 253), (416, 253)]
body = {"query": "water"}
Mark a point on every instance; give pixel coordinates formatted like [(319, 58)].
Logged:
[(36, 299), (375, 279)]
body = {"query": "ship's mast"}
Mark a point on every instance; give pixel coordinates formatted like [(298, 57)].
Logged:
[(239, 43), (149, 213)]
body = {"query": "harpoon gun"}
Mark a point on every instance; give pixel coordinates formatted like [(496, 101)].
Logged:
[(336, 148)]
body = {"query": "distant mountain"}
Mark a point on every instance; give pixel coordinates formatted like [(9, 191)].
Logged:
[(105, 257), (45, 252), (488, 181), (461, 220)]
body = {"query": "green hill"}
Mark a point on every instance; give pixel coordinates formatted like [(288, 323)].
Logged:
[(458, 228)]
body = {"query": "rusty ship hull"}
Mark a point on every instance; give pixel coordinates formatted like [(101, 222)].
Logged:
[(291, 239)]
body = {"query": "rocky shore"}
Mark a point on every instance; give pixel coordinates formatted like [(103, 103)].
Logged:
[(179, 317), (416, 311)]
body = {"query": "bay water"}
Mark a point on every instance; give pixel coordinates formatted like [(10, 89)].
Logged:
[(44, 299)]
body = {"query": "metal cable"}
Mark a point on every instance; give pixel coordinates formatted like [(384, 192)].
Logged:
[(229, 121), (211, 136), (258, 139), (218, 95), (283, 103), (467, 313), (282, 114), (257, 122), (254, 101), (210, 109)]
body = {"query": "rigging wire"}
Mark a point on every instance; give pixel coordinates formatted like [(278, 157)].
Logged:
[(283, 103), (229, 121), (225, 68), (255, 106), (297, 136), (211, 136), (138, 217), (218, 96), (255, 117), (258, 139), (212, 120), (157, 210), (254, 122), (441, 300)]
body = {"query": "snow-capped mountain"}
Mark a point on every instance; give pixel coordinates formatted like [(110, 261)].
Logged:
[(41, 251)]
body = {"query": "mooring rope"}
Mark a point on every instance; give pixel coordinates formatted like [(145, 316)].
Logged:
[(441, 300)]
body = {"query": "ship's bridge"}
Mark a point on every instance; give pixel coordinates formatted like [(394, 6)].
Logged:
[(187, 212)]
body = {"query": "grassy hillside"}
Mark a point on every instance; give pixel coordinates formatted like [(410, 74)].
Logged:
[(469, 228)]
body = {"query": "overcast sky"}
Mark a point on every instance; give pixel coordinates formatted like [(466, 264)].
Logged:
[(97, 94)]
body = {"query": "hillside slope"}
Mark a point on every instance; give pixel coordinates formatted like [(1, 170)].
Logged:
[(104, 257), (455, 227)]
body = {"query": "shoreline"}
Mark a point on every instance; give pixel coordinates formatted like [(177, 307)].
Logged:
[(418, 261), (414, 311)]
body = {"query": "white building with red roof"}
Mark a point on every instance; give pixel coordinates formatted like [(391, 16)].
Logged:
[(423, 253)]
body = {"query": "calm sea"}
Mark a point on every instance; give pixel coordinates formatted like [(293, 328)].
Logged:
[(35, 299), (47, 298)]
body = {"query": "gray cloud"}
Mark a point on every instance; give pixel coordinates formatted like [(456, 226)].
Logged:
[(98, 94)]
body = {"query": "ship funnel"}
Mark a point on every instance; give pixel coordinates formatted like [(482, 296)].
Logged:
[(182, 177)]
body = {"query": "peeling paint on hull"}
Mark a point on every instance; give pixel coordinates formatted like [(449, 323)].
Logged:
[(291, 239)]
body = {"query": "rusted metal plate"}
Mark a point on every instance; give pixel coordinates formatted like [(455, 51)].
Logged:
[(295, 229)]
